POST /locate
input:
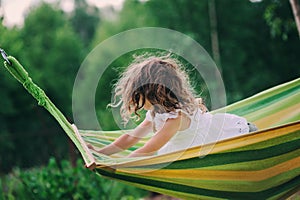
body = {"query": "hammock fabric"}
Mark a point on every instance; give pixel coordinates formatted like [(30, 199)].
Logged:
[(260, 165)]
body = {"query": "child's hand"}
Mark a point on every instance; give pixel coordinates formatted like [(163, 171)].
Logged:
[(91, 147)]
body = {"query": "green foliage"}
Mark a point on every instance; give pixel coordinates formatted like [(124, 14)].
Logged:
[(241, 30), (281, 23), (50, 50), (62, 181), (53, 38), (85, 19), (8, 93)]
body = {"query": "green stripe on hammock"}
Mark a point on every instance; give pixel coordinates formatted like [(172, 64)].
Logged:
[(195, 192), (260, 165)]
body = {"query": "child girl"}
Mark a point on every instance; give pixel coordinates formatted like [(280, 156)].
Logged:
[(177, 118)]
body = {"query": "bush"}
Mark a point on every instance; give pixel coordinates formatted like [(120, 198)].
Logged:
[(64, 182)]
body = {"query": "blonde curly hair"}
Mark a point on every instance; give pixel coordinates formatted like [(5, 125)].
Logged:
[(160, 80)]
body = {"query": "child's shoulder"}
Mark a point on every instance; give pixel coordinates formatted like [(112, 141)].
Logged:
[(169, 115), (162, 116)]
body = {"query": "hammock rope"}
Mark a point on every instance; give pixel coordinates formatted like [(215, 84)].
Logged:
[(260, 165), (19, 73)]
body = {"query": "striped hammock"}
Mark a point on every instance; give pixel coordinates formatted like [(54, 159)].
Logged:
[(260, 165)]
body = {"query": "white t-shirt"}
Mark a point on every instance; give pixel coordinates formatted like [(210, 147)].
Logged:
[(204, 128)]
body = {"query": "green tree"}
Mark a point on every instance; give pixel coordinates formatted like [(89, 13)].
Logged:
[(51, 52), (85, 19), (281, 22), (248, 52), (9, 41)]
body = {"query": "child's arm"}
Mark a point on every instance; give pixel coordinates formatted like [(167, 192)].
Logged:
[(159, 139), (127, 140)]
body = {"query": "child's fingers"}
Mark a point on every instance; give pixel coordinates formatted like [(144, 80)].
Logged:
[(90, 146)]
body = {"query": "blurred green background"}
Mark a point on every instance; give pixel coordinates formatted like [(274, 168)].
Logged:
[(255, 45)]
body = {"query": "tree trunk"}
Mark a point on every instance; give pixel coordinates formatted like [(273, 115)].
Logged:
[(72, 153), (296, 12), (1, 12), (214, 32)]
